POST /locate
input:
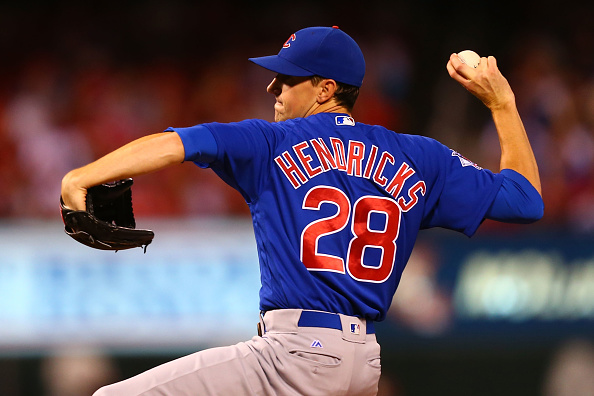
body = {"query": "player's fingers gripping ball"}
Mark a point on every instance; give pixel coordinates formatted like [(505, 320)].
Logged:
[(470, 58), (108, 223)]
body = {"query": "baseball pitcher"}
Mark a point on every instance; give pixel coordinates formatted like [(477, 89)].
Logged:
[(336, 206)]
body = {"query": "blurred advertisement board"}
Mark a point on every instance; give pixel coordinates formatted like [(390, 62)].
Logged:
[(501, 288), (198, 285)]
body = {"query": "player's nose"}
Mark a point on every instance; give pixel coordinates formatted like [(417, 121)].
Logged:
[(274, 87)]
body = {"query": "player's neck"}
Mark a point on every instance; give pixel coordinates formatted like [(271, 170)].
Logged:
[(329, 107)]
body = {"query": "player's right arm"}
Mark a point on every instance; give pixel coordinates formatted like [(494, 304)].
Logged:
[(519, 198), (141, 156), (488, 84)]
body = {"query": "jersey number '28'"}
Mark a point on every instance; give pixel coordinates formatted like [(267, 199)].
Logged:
[(363, 236)]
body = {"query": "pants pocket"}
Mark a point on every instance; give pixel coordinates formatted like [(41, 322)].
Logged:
[(375, 362), (316, 357)]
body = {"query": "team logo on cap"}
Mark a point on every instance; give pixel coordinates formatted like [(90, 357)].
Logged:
[(287, 43)]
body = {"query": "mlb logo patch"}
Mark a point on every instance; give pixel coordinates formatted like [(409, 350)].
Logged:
[(355, 328), (345, 120)]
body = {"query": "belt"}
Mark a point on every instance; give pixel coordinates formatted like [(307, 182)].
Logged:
[(327, 320)]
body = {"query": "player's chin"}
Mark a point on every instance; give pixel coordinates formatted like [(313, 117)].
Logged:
[(280, 113), (279, 116)]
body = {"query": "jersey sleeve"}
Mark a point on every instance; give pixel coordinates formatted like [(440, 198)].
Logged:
[(243, 155), (517, 200), (200, 146), (461, 191)]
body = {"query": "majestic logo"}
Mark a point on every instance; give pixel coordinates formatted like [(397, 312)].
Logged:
[(355, 328), (465, 161), (287, 43), (345, 120), (316, 344)]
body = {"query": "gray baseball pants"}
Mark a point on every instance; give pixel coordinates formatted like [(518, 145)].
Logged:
[(293, 357)]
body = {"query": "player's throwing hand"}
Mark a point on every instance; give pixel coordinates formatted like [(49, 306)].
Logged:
[(485, 81)]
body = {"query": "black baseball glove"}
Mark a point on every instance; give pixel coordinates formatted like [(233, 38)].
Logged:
[(108, 223)]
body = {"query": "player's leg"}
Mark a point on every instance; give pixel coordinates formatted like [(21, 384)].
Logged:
[(287, 360), (279, 365), (231, 370)]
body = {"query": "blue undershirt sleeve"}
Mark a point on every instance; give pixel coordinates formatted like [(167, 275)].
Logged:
[(517, 200)]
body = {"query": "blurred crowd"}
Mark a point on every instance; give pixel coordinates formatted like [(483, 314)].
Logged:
[(78, 81), (69, 102)]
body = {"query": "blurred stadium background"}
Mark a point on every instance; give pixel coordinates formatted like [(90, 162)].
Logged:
[(508, 312)]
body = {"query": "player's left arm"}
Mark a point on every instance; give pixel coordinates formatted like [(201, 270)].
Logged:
[(144, 155)]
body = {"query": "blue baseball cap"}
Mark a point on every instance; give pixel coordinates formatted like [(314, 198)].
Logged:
[(318, 51)]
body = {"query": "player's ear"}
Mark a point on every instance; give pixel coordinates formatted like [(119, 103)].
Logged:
[(327, 89)]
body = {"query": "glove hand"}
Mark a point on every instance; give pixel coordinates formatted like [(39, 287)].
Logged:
[(108, 222), (74, 200)]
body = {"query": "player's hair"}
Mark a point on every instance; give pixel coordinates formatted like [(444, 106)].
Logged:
[(346, 95)]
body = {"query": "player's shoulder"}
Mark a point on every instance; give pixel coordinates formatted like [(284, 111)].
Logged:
[(425, 151), (420, 141), (249, 125), (406, 141)]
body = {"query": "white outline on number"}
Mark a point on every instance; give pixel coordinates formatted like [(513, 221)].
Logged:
[(355, 237), (316, 253), (350, 216)]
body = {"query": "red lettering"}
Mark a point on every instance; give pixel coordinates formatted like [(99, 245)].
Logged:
[(305, 159), (323, 152), (398, 180), (287, 43), (356, 152), (290, 169), (370, 162), (377, 175), (412, 194), (339, 154)]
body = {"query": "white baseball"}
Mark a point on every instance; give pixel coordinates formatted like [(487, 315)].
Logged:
[(470, 57)]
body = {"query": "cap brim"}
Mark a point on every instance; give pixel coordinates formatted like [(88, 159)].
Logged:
[(280, 65)]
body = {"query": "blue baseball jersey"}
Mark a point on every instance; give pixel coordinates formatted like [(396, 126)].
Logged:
[(337, 205)]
